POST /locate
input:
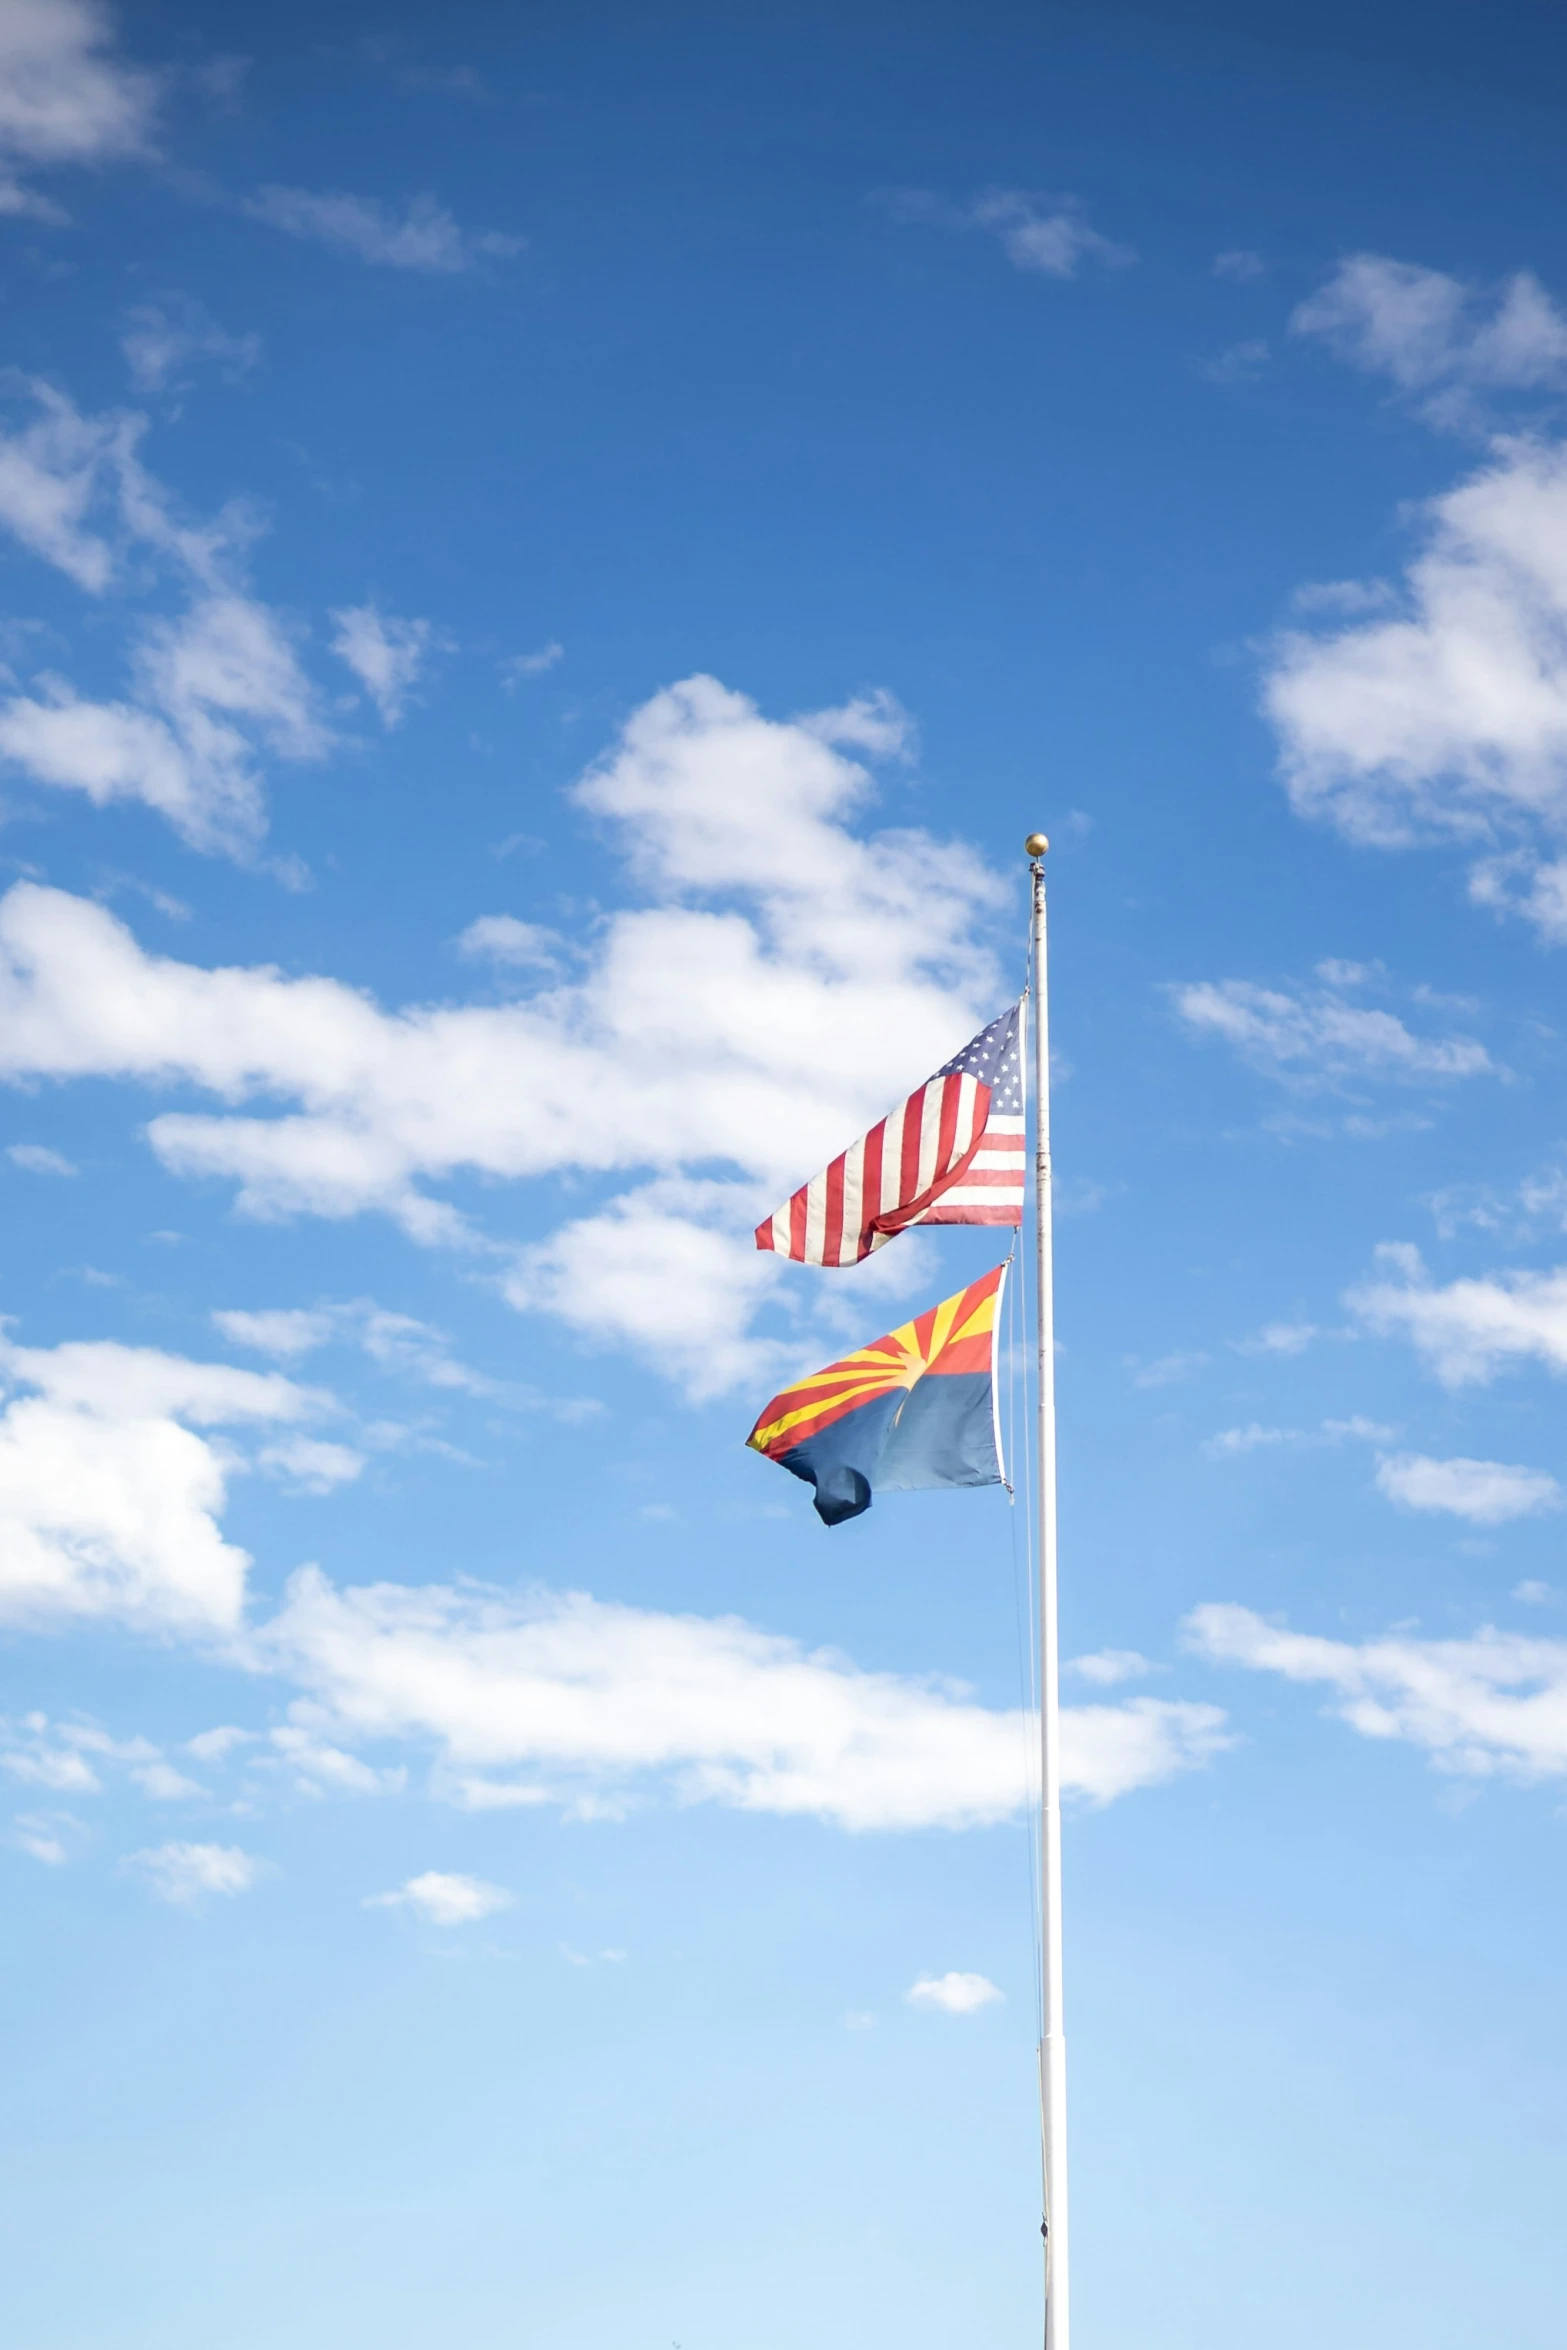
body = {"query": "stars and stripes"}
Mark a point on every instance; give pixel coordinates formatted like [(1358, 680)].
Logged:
[(953, 1153)]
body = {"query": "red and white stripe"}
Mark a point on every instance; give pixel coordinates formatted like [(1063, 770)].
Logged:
[(990, 1188), (896, 1174)]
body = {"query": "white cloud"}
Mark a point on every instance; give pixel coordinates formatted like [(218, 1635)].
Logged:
[(520, 665), (1253, 1437), (1242, 265), (310, 1464), (164, 340), (1469, 1329), (67, 1757), (1432, 333), (953, 1994), (423, 236), (558, 1697), (1533, 1593), (656, 1273), (63, 98), (39, 1834), (1170, 1369), (397, 1342), (1238, 363), (445, 1900), (385, 654), (1447, 716), (210, 688), (1494, 1705), (1110, 1666), (55, 472), (501, 938), (278, 1330), (1307, 1034), (38, 1159), (183, 1873), (1279, 1338), (1047, 236), (109, 1502), (1487, 1493), (1230, 1441), (746, 1038)]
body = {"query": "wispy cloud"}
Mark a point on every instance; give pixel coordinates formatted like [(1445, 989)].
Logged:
[(211, 688), (65, 98), (1315, 1034), (164, 341), (387, 655), (38, 1159), (184, 1874), (423, 236), (518, 666), (1045, 236), (1437, 336), (1491, 1706)]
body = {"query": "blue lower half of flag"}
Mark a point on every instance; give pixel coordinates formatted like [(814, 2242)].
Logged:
[(939, 1432)]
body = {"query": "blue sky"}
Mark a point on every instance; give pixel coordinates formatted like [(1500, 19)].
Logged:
[(551, 558)]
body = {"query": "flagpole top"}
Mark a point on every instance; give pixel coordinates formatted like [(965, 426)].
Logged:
[(1035, 845)]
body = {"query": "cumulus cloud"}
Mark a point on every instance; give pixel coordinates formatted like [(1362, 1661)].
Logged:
[(445, 1900), (559, 1697), (953, 1994), (423, 236), (791, 977), (109, 1499), (1047, 236), (1487, 1493), (183, 1874), (1467, 1330), (385, 654), (1445, 715), (64, 97), (670, 1271), (519, 946), (1307, 1034), (1492, 1706), (1436, 335)]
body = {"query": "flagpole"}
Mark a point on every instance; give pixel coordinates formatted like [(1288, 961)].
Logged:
[(1052, 2044)]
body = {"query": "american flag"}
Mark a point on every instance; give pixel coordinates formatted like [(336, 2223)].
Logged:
[(953, 1153)]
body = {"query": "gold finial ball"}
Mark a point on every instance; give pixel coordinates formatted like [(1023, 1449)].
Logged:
[(1036, 844)]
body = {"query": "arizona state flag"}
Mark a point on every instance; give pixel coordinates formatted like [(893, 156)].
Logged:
[(914, 1409)]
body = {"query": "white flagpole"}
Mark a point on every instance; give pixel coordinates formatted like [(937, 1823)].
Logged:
[(1052, 2045)]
